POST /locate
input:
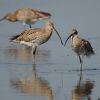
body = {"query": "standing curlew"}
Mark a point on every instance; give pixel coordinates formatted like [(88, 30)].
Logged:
[(80, 46), (26, 16), (35, 37)]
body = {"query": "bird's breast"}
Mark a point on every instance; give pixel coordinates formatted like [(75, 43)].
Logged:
[(76, 44)]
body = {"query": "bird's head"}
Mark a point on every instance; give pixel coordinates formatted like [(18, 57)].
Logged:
[(10, 17), (51, 25), (73, 32)]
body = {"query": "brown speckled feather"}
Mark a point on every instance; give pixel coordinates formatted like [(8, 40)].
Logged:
[(80, 46), (26, 16), (88, 50), (29, 35), (37, 35)]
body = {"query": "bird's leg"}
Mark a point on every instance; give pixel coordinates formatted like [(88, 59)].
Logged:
[(80, 61), (34, 70), (34, 53), (81, 77), (30, 26), (24, 24)]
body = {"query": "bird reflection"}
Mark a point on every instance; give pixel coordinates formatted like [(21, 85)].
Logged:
[(83, 89), (33, 85), (24, 53)]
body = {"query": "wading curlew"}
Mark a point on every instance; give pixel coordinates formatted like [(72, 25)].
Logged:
[(36, 37), (80, 46), (26, 16)]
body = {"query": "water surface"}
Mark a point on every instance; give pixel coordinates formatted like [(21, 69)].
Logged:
[(56, 75)]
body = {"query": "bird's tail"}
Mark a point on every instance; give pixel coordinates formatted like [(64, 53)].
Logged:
[(90, 52), (43, 15), (14, 38)]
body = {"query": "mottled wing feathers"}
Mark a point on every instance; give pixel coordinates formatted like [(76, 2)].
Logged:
[(27, 35), (87, 47), (25, 14), (14, 37), (29, 15), (41, 14)]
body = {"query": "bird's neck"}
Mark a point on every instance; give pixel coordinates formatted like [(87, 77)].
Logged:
[(48, 28), (73, 37), (47, 32), (12, 17)]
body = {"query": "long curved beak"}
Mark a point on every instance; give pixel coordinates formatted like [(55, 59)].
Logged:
[(58, 34), (67, 39)]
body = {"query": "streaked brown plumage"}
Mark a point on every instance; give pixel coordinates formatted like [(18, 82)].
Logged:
[(26, 16), (80, 46), (35, 37)]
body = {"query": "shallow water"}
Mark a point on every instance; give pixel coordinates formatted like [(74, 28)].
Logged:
[(56, 75)]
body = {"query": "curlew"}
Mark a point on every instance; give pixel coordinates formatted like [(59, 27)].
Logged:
[(26, 16), (35, 37), (80, 46)]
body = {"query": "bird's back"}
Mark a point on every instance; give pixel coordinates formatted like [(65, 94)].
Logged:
[(37, 35), (27, 35), (82, 46), (87, 48), (28, 15), (25, 15)]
